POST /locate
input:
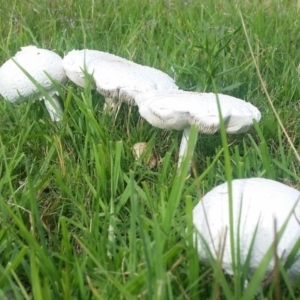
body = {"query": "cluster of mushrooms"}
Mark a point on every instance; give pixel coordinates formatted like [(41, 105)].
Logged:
[(257, 203)]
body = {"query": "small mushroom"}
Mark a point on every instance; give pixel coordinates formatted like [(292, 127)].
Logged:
[(138, 151), (260, 207), (41, 64), (177, 109), (116, 78)]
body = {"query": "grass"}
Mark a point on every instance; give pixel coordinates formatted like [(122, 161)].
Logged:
[(80, 218)]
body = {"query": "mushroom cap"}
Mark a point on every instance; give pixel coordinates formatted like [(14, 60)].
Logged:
[(75, 61), (257, 203), (177, 109), (114, 76), (16, 87)]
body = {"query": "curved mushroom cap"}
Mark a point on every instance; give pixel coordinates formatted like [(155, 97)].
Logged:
[(16, 87), (75, 61), (114, 76), (180, 109), (257, 202)]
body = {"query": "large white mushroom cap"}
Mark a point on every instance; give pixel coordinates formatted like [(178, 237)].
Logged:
[(257, 204), (180, 109), (114, 76), (76, 61), (177, 109), (16, 87), (125, 79)]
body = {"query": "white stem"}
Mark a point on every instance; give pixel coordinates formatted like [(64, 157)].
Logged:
[(54, 108), (184, 147), (110, 104)]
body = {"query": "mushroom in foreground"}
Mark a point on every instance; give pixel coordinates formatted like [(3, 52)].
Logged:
[(177, 109), (259, 206), (41, 65), (116, 78)]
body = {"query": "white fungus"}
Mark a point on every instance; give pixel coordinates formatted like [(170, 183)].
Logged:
[(258, 204), (177, 109), (41, 64), (116, 78)]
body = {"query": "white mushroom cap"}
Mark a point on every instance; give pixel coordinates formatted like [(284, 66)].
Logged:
[(114, 76), (16, 87), (257, 203), (125, 79), (179, 109), (75, 61)]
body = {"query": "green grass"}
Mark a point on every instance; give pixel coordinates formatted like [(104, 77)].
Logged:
[(79, 217)]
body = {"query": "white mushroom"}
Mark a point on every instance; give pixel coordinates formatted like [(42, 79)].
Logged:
[(116, 78), (258, 204), (76, 62), (41, 64), (179, 110), (139, 150)]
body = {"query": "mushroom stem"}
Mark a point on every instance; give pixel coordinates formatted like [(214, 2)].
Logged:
[(184, 147), (54, 108), (110, 104)]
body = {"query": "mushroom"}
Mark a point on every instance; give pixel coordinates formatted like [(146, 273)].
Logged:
[(116, 78), (75, 64), (259, 207), (177, 109), (16, 85), (139, 150)]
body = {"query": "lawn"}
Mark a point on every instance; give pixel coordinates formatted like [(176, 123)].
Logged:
[(80, 218)]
